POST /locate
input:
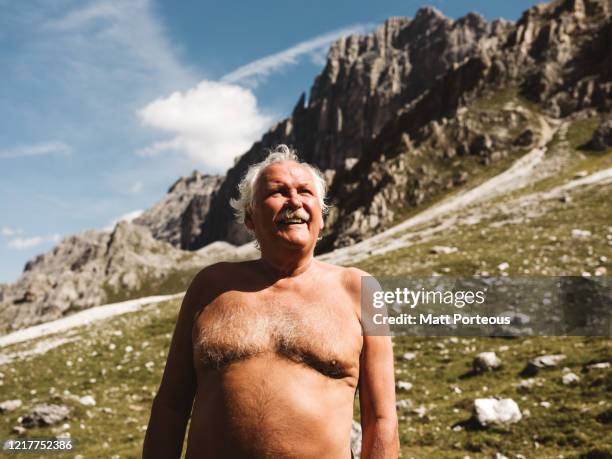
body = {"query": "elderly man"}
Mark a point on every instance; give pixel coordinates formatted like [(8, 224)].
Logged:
[(267, 355)]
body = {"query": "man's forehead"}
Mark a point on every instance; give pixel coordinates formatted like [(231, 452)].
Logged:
[(285, 171)]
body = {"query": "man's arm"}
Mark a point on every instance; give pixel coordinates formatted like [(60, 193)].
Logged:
[(172, 404), (376, 382)]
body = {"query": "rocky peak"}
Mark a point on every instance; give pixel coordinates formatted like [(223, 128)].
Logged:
[(364, 83), (177, 217)]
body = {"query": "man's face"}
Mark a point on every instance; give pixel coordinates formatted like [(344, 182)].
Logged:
[(286, 207)]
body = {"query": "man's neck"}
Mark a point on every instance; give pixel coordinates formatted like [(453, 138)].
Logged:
[(280, 265)]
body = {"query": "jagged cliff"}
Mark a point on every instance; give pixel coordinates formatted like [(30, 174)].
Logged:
[(386, 93), (366, 80), (178, 217)]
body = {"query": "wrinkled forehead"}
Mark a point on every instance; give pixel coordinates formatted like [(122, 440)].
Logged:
[(285, 172)]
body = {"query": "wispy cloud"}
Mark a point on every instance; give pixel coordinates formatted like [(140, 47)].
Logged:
[(254, 73), (30, 242), (81, 71), (81, 17), (128, 217), (38, 149), (212, 123), (8, 231)]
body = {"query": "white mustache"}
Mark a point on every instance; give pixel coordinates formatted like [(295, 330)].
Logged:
[(297, 213)]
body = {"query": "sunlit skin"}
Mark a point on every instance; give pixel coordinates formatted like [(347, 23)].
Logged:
[(267, 355)]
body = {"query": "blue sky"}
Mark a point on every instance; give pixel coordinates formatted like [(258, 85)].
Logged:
[(105, 103)]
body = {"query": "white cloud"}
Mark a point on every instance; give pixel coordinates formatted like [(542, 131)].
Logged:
[(212, 123), (38, 149), (219, 120), (8, 231), (255, 72), (28, 243), (128, 217)]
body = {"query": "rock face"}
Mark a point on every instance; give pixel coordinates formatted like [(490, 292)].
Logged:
[(366, 80), (178, 217), (602, 137), (88, 269)]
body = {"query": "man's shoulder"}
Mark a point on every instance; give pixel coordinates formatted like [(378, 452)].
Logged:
[(350, 277), (220, 276), (223, 268)]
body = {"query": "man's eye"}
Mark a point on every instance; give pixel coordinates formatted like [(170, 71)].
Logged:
[(305, 191)]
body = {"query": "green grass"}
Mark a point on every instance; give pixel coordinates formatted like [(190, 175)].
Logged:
[(568, 427), (97, 364), (124, 389)]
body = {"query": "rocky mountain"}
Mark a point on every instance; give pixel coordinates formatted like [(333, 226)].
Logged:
[(178, 217), (391, 112), (366, 80), (96, 267)]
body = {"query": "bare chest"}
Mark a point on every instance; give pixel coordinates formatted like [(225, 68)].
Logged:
[(325, 335)]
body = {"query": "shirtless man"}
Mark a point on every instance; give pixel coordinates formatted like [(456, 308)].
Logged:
[(272, 349)]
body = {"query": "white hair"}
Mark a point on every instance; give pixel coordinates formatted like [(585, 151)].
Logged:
[(246, 188)]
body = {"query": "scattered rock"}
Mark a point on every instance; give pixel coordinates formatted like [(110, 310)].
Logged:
[(442, 249), (581, 234), (404, 405), (503, 266), (526, 385), (486, 361), (9, 405), (601, 271), (598, 366), (43, 415), (570, 379), (409, 356), (420, 411), (543, 361), (496, 411), (87, 400), (403, 386), (18, 430)]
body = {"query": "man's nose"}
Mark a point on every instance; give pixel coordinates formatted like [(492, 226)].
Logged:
[(294, 199)]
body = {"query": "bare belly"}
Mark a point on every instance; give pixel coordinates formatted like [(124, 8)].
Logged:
[(270, 407)]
